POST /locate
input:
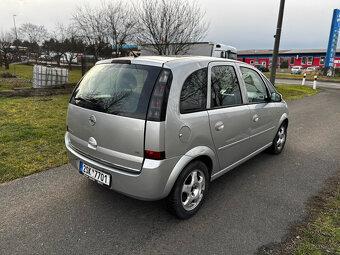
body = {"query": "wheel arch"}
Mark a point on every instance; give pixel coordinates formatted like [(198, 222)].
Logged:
[(283, 119), (202, 153)]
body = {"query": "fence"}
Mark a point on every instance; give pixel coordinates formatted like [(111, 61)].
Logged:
[(44, 77)]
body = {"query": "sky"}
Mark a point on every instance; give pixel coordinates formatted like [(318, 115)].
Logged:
[(244, 24)]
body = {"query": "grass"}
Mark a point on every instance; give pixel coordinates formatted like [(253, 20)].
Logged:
[(31, 135), (300, 77), (320, 232), (321, 235), (26, 72), (293, 92)]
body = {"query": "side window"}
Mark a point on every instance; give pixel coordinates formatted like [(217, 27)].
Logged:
[(225, 89), (270, 86), (256, 89), (194, 92)]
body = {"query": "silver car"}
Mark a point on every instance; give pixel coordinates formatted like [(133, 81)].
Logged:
[(296, 70), (165, 127)]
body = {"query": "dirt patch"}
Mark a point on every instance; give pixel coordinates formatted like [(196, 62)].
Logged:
[(27, 92), (316, 206), (15, 80)]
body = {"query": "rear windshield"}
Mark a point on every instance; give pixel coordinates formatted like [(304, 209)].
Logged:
[(120, 89)]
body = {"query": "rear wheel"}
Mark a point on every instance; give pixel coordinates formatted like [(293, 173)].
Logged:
[(189, 191), (279, 140)]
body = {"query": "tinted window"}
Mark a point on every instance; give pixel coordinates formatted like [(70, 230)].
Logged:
[(232, 55), (256, 89), (194, 92), (119, 89), (225, 90), (270, 86)]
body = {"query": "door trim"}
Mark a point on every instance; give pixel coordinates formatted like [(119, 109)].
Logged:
[(223, 171)]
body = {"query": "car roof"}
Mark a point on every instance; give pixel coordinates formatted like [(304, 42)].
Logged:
[(170, 61)]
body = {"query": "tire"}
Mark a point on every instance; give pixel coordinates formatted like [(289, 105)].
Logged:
[(279, 140), (189, 191)]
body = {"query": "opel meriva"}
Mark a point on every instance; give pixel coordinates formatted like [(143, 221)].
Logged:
[(164, 127)]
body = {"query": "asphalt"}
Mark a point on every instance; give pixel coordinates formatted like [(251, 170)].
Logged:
[(58, 211)]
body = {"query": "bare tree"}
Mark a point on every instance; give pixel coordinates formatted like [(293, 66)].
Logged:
[(65, 44), (90, 26), (32, 36), (6, 40), (169, 27), (120, 23), (32, 33)]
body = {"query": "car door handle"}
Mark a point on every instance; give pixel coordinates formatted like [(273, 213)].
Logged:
[(256, 118), (219, 126)]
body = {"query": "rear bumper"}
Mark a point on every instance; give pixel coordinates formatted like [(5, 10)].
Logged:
[(149, 184)]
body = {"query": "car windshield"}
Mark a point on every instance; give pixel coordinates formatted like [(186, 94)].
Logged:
[(120, 89)]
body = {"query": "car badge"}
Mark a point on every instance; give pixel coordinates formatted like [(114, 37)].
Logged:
[(92, 120)]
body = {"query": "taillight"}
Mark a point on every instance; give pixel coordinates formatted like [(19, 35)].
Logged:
[(159, 98), (157, 155)]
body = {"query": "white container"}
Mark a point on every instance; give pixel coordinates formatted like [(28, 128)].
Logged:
[(44, 77)]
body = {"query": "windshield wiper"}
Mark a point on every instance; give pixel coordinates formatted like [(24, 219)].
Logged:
[(83, 99)]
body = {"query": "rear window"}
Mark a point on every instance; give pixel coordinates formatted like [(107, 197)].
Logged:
[(119, 89)]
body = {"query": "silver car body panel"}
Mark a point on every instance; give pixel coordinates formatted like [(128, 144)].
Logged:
[(113, 135), (121, 141)]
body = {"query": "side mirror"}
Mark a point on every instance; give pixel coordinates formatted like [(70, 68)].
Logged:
[(276, 97)]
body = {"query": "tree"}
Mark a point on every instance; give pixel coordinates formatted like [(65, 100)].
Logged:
[(120, 23), (90, 26), (6, 40), (169, 27), (65, 44), (33, 36), (54, 48), (32, 33)]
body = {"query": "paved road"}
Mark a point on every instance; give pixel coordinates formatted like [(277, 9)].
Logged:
[(61, 212), (320, 84)]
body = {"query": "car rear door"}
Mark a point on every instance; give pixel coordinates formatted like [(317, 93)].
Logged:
[(107, 114), (229, 118)]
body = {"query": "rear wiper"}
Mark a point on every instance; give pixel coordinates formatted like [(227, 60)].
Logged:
[(83, 99), (94, 102)]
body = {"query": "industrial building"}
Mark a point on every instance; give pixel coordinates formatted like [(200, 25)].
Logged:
[(304, 58)]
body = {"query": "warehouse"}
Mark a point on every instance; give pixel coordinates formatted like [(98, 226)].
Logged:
[(304, 58)]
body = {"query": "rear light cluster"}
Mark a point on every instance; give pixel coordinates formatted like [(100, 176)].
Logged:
[(159, 98), (155, 155), (157, 107)]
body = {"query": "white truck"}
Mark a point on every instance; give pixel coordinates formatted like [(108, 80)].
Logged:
[(200, 49)]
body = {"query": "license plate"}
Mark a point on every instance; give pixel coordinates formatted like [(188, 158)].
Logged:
[(94, 174)]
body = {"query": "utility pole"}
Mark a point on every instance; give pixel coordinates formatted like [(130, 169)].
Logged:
[(277, 42), (15, 27)]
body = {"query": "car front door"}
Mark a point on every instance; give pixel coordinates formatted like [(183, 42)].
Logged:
[(263, 116), (229, 118)]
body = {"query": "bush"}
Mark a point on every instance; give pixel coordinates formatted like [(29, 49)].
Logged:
[(7, 75), (284, 64)]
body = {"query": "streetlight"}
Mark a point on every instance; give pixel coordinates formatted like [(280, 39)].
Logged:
[(15, 27)]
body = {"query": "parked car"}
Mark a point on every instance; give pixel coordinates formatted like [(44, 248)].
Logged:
[(296, 70), (156, 127), (311, 70), (262, 68)]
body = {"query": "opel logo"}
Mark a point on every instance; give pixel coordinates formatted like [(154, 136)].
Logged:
[(92, 120)]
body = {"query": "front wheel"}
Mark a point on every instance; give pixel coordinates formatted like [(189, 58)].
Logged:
[(189, 191), (279, 140)]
